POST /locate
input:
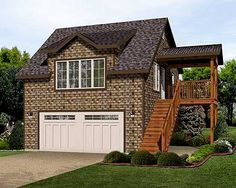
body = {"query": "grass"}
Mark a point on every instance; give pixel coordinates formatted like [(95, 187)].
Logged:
[(219, 171), (232, 132), (7, 153)]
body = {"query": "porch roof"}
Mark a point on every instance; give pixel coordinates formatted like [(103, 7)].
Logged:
[(191, 56)]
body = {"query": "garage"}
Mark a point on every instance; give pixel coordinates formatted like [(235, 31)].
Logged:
[(90, 132)]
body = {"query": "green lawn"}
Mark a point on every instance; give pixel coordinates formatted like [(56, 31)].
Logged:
[(232, 132), (219, 171), (7, 153)]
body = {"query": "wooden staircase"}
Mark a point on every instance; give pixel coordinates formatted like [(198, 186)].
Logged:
[(152, 136), (162, 122)]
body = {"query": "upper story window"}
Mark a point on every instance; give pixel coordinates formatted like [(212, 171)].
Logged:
[(156, 77), (173, 78), (80, 74)]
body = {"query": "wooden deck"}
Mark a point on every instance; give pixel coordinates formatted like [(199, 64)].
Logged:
[(195, 92)]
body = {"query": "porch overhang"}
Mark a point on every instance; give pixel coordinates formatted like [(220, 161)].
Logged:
[(191, 56)]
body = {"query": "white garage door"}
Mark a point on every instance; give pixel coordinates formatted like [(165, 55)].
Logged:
[(93, 132)]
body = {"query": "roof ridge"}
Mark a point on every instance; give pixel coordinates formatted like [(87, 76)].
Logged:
[(110, 23)]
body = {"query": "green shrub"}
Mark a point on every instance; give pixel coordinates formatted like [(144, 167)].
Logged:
[(201, 153), (169, 159), (157, 155), (229, 139), (179, 139), (184, 157), (130, 154), (222, 146), (116, 157), (143, 158), (4, 145), (198, 140), (16, 139), (221, 128)]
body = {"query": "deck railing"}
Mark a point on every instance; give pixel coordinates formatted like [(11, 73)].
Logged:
[(194, 89)]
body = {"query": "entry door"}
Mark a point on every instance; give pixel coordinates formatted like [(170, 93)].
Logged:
[(163, 83)]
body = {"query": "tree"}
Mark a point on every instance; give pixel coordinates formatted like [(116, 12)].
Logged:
[(11, 90), (199, 73), (227, 88)]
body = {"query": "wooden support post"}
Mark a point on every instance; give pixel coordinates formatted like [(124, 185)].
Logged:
[(212, 119), (212, 68)]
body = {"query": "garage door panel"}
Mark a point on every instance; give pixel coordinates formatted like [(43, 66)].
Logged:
[(56, 136), (114, 136), (97, 132), (64, 137), (97, 135), (106, 137), (75, 137), (88, 134), (48, 136)]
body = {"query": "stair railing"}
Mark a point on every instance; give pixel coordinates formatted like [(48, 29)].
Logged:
[(171, 118)]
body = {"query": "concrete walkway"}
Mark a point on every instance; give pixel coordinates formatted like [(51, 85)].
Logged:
[(180, 150), (22, 169)]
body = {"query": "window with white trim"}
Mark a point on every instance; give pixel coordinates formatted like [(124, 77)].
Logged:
[(156, 77), (80, 74)]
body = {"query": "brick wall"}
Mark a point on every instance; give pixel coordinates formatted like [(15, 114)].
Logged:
[(122, 93), (150, 95)]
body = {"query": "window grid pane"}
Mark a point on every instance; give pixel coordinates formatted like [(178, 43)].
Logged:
[(74, 74), (61, 74), (99, 73), (85, 73)]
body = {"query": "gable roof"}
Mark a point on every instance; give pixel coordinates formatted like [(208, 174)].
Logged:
[(201, 52), (137, 55), (99, 40)]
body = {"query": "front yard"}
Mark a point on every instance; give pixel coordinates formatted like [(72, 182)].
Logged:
[(219, 171), (7, 153)]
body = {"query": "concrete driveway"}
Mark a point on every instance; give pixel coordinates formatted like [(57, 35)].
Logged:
[(22, 169)]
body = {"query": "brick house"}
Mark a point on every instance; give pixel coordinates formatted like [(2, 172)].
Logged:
[(109, 87)]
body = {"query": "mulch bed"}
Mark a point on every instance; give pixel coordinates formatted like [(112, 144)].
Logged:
[(194, 165)]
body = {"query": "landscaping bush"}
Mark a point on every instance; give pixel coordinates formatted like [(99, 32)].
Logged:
[(229, 139), (221, 128), (179, 139), (201, 153), (4, 145), (157, 155), (184, 157), (170, 159), (198, 140), (143, 158), (130, 154), (16, 139), (116, 157), (222, 146)]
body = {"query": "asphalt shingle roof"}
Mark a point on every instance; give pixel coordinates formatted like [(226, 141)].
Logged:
[(191, 51), (137, 55)]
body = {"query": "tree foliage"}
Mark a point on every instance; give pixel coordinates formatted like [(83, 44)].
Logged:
[(227, 88), (11, 90), (201, 73)]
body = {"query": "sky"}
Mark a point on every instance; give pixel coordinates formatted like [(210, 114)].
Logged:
[(28, 23)]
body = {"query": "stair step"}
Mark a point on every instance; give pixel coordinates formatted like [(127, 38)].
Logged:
[(151, 140), (149, 144)]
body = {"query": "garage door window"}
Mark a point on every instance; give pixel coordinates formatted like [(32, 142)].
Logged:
[(101, 117), (59, 117)]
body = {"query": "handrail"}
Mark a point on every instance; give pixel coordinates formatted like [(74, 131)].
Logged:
[(171, 116), (195, 89)]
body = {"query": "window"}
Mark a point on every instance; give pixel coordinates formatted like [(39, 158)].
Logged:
[(101, 117), (80, 74), (59, 117), (156, 77)]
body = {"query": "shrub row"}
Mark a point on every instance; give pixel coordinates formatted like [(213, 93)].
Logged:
[(146, 158)]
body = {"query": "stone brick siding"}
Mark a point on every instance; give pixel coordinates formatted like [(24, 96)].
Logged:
[(124, 93), (150, 95)]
